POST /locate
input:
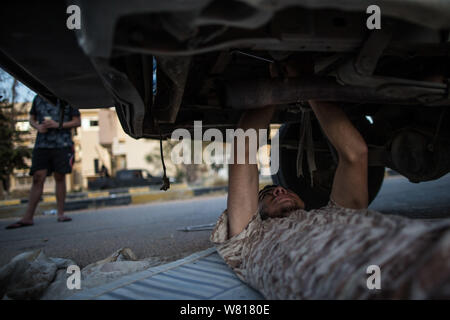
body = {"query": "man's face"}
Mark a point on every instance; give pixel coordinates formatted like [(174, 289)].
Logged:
[(279, 202)]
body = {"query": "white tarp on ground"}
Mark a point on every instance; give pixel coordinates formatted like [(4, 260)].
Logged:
[(33, 275)]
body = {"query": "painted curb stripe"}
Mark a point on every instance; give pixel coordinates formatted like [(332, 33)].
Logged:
[(98, 195), (49, 199), (138, 190), (10, 202), (149, 197)]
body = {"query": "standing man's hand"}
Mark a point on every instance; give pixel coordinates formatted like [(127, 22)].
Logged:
[(41, 128), (50, 124)]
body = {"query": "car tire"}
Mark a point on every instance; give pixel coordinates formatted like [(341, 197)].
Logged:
[(316, 195)]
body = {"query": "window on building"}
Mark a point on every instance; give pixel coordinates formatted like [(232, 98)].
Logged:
[(87, 123), (23, 126), (121, 162), (24, 181), (96, 167)]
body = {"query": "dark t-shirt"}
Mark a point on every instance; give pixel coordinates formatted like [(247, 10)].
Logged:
[(53, 138)]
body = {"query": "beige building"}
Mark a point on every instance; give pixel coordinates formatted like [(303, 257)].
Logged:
[(101, 141)]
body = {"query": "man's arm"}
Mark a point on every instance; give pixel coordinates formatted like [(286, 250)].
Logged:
[(350, 181), (33, 117), (243, 179), (75, 122), (35, 124)]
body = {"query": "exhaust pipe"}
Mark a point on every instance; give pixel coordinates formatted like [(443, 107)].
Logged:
[(249, 94)]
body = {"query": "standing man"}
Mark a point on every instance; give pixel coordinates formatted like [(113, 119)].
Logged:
[(53, 153)]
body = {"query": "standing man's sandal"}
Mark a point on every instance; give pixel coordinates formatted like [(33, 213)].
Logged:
[(19, 224), (64, 219)]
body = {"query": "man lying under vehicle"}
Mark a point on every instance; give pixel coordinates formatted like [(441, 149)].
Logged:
[(285, 252)]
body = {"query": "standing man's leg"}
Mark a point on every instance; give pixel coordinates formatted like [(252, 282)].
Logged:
[(60, 191), (62, 164), (35, 195)]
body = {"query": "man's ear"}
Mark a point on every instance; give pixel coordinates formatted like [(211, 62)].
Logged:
[(262, 211)]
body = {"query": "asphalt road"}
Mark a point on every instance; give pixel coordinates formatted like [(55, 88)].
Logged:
[(151, 230)]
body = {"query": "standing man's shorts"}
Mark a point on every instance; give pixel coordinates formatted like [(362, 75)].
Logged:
[(58, 160)]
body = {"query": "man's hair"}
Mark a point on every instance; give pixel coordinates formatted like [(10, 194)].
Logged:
[(264, 190), (263, 214)]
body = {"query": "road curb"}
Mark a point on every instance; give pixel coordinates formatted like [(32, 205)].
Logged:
[(100, 199), (95, 200)]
